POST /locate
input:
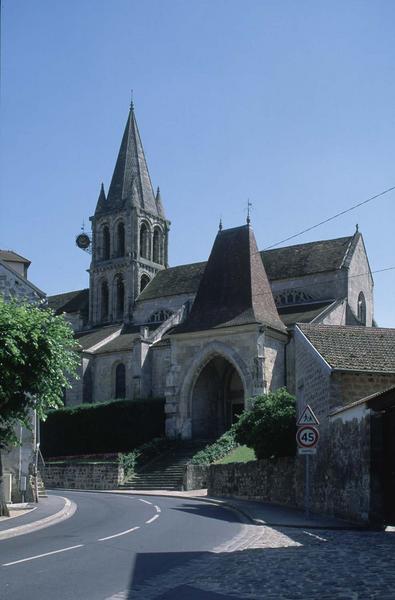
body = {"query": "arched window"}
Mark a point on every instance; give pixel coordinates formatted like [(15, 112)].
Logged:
[(361, 309), (144, 241), (119, 297), (121, 239), (144, 281), (157, 246), (104, 301), (106, 243), (120, 381)]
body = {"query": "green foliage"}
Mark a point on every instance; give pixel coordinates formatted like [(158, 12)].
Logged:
[(133, 461), (241, 454), (116, 426), (270, 426), (37, 361), (218, 449)]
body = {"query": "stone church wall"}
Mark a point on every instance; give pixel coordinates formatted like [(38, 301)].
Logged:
[(360, 280), (160, 361), (104, 375), (274, 363), (320, 286), (144, 309)]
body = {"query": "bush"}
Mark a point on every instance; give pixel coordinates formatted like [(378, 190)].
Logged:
[(270, 426), (117, 426), (133, 461), (218, 449)]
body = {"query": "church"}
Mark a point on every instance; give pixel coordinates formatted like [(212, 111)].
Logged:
[(205, 336)]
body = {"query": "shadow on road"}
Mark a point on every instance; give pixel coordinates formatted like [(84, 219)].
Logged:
[(330, 565)]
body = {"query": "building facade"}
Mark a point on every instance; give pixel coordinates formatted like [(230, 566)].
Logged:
[(206, 336)]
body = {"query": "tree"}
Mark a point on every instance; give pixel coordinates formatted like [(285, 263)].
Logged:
[(37, 362), (270, 426)]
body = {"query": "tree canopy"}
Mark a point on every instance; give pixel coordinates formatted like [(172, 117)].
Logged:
[(37, 362), (269, 427)]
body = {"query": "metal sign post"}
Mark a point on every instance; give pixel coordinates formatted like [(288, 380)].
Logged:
[(307, 437)]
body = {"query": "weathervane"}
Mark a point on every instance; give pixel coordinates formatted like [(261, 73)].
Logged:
[(249, 205)]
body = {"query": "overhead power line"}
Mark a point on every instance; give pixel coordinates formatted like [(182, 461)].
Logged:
[(339, 214)]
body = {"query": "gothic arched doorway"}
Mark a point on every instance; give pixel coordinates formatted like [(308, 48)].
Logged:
[(217, 399)]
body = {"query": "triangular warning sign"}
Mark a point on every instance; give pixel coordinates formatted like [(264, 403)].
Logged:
[(307, 417)]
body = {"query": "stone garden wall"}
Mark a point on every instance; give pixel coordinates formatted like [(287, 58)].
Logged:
[(82, 475)]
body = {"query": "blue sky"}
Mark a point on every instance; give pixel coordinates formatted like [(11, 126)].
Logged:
[(288, 103)]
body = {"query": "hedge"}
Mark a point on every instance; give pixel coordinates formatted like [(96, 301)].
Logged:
[(117, 426)]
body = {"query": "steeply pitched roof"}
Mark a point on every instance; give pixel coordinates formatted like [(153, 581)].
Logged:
[(11, 256), (234, 289), (353, 348), (70, 302), (281, 263), (130, 169), (305, 259)]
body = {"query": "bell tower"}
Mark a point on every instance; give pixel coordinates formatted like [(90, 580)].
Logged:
[(129, 234)]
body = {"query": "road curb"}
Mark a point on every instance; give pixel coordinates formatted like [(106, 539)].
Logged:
[(66, 512)]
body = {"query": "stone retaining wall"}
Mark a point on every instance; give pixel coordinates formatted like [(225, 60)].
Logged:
[(195, 477), (279, 481), (83, 475)]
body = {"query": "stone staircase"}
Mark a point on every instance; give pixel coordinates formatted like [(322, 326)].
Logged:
[(165, 472)]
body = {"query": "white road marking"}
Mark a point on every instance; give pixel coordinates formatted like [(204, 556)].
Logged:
[(157, 508), (109, 537), (152, 519), (145, 501), (15, 562), (315, 536)]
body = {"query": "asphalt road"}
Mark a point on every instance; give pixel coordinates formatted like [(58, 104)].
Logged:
[(112, 543)]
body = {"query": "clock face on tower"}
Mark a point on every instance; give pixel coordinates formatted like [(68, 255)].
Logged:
[(83, 241)]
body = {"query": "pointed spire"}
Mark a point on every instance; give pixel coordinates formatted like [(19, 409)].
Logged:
[(134, 195), (159, 205), (101, 201), (131, 165), (220, 224), (234, 289)]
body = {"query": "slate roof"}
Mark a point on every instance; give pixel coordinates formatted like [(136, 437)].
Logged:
[(88, 339), (234, 288), (10, 255), (281, 263), (131, 176), (354, 348), (70, 302), (184, 279), (305, 259)]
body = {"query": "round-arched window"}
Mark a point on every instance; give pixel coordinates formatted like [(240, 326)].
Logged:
[(157, 246), (105, 243), (361, 308), (121, 239), (144, 241), (119, 297), (104, 301)]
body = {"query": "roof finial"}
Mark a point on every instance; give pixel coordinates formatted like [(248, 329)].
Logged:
[(249, 205), (131, 100), (220, 224), (83, 225), (356, 228)]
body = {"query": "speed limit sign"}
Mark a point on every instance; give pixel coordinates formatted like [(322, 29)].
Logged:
[(307, 436)]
